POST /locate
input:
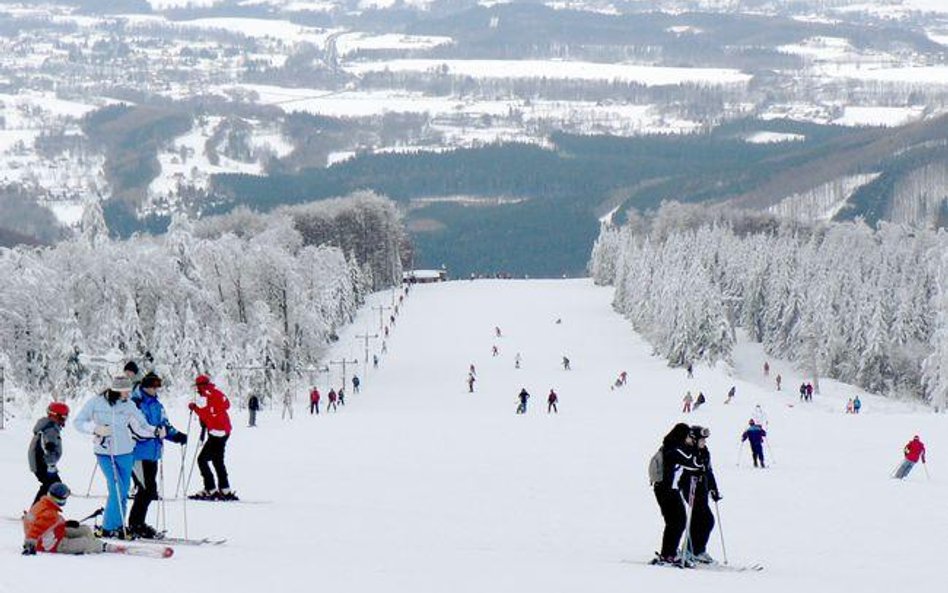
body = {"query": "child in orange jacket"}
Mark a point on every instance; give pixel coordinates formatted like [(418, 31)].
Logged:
[(46, 530)]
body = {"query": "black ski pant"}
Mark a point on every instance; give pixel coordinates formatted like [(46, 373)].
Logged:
[(758, 455), (46, 480), (702, 521), (313, 408), (673, 511), (147, 491), (213, 454), (551, 407)]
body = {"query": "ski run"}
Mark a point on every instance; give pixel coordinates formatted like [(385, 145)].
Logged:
[(418, 485)]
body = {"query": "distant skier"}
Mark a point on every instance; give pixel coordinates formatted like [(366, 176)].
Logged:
[(332, 401), (766, 369), (253, 406), (46, 447), (802, 392), (45, 529), (497, 332), (384, 346), (686, 402), (778, 379), (913, 451), (355, 383), (664, 470), (470, 382), (551, 402), (213, 415), (702, 519), (287, 404), (375, 361), (755, 434), (494, 351), (565, 363), (341, 396), (699, 401), (472, 370), (857, 405), (691, 371), (385, 331), (809, 392), (523, 396), (623, 377), (730, 394), (517, 360), (314, 396), (849, 406)]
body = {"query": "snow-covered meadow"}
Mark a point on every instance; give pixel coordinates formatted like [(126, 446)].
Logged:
[(417, 485)]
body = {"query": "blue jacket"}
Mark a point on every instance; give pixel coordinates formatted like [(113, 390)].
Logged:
[(755, 435), (154, 412), (122, 417)]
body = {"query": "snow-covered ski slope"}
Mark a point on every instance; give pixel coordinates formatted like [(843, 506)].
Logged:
[(418, 486)]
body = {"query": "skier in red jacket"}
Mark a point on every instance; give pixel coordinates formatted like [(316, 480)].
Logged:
[(914, 450), (214, 417), (314, 401)]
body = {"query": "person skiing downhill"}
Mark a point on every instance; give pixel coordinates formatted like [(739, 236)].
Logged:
[(470, 382), (730, 394), (214, 417), (914, 451), (45, 529), (702, 519), (674, 456), (523, 396), (551, 402), (46, 447), (755, 434), (148, 453), (115, 422), (565, 363)]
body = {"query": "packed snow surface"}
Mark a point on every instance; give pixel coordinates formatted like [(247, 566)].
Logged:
[(418, 486)]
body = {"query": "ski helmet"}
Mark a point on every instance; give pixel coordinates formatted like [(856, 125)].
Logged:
[(59, 492), (57, 410)]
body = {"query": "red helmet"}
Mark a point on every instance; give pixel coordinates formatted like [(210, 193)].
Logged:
[(58, 409), (202, 380)]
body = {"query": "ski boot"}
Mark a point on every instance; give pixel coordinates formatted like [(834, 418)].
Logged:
[(203, 495), (702, 558), (226, 495), (145, 531)]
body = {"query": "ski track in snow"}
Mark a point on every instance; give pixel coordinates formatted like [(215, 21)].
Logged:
[(419, 486)]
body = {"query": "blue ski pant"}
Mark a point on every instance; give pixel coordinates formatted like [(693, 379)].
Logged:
[(904, 469), (117, 478)]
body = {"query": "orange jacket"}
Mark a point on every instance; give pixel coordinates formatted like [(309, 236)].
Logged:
[(45, 525)]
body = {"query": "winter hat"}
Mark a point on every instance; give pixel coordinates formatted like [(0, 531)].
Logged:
[(121, 383), (59, 492), (151, 380), (58, 409), (751, 421), (202, 380), (131, 367)]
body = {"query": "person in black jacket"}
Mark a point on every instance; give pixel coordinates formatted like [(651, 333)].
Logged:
[(46, 447), (702, 519), (253, 406), (677, 454)]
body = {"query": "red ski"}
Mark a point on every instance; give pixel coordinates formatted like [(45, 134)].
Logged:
[(165, 552)]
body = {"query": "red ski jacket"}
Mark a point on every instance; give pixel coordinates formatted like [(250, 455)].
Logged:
[(314, 396), (915, 450), (45, 525), (214, 415)]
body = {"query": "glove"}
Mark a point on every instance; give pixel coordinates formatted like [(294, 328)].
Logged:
[(193, 407), (179, 437), (29, 548), (716, 496), (102, 430), (161, 432), (72, 523)]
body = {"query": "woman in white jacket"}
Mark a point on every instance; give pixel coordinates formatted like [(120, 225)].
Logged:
[(117, 424)]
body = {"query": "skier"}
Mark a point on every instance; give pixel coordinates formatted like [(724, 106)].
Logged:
[(779, 378), (565, 364), (809, 392), (623, 376), (551, 402), (523, 396), (755, 434), (730, 394), (699, 401), (760, 417), (913, 451), (802, 392), (253, 406), (46, 447), (287, 404), (332, 401), (384, 346), (131, 371), (664, 468), (702, 519), (472, 370), (385, 332), (766, 369), (495, 351), (470, 382), (517, 360), (214, 417), (355, 384), (375, 361), (314, 402), (341, 397), (687, 400), (116, 422), (45, 530), (849, 406), (148, 453), (691, 371), (497, 332), (857, 405)]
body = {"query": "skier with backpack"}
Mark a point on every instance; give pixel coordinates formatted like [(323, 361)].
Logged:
[(695, 487), (664, 469), (46, 447), (755, 434), (115, 422), (148, 453), (215, 418)]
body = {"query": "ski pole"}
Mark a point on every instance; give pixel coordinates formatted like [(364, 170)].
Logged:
[(927, 475), (91, 478), (740, 451), (717, 511), (120, 497), (685, 553), (184, 453), (162, 510), (770, 453), (96, 513)]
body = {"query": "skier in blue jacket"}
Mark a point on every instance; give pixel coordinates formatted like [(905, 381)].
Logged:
[(755, 434), (115, 422), (148, 454)]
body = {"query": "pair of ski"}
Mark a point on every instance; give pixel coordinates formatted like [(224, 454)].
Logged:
[(174, 541), (713, 566)]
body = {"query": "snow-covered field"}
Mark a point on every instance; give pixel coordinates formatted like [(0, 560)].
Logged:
[(419, 486)]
